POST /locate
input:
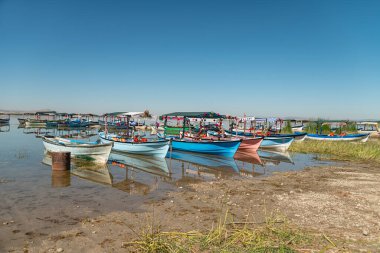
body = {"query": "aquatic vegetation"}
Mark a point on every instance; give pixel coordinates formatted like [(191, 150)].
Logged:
[(369, 151), (275, 234)]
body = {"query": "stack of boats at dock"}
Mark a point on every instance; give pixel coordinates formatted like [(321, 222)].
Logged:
[(196, 132)]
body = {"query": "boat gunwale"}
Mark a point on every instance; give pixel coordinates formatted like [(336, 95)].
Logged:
[(81, 145), (135, 143), (207, 142)]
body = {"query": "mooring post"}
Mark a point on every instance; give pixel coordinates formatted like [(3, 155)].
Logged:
[(60, 161)]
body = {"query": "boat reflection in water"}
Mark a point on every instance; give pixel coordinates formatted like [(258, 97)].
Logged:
[(75, 133), (275, 158), (249, 163), (141, 175), (149, 164), (200, 167), (154, 169), (80, 168), (4, 127)]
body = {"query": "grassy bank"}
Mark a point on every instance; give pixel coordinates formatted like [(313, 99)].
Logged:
[(276, 234), (357, 151)]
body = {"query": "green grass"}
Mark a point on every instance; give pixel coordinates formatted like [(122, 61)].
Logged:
[(356, 151), (287, 129), (275, 235)]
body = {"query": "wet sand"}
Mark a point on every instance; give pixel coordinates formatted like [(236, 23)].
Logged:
[(342, 202)]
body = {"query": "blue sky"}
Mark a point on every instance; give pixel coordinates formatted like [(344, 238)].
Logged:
[(267, 58)]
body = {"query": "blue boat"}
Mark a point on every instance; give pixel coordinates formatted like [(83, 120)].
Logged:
[(196, 144), (347, 137), (298, 136), (221, 148), (276, 143), (79, 123)]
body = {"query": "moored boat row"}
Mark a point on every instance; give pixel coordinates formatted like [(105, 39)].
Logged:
[(201, 132)]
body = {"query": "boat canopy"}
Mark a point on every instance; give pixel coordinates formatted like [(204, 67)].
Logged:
[(125, 114), (199, 115), (46, 113), (248, 118)]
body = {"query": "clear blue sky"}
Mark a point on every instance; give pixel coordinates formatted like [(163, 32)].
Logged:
[(279, 58)]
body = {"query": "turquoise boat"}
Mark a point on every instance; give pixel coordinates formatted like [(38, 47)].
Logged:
[(196, 144), (221, 148)]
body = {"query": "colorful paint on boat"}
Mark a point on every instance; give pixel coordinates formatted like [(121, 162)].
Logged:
[(221, 148)]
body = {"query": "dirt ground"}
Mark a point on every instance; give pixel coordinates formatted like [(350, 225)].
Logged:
[(341, 202)]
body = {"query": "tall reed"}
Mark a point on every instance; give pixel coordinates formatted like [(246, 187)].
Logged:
[(369, 151)]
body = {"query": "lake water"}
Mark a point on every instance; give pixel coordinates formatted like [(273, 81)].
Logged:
[(36, 201)]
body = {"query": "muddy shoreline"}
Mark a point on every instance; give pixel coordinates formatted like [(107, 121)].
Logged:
[(341, 201)]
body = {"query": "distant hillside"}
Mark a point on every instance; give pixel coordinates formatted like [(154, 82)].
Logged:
[(19, 112)]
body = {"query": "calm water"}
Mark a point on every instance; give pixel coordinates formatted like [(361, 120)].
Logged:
[(36, 201)]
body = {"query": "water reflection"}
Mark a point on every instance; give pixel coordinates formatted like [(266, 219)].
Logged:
[(152, 165), (137, 169), (60, 179), (4, 127), (275, 158), (142, 174), (137, 174)]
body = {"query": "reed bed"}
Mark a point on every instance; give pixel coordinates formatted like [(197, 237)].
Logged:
[(276, 234), (353, 151)]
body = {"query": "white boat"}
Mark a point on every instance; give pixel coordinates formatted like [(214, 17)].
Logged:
[(297, 129), (371, 128), (281, 144), (98, 152), (158, 148)]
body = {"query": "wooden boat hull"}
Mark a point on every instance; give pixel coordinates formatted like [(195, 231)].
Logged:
[(277, 143), (98, 152), (221, 148), (35, 123), (250, 144), (153, 148), (348, 137)]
